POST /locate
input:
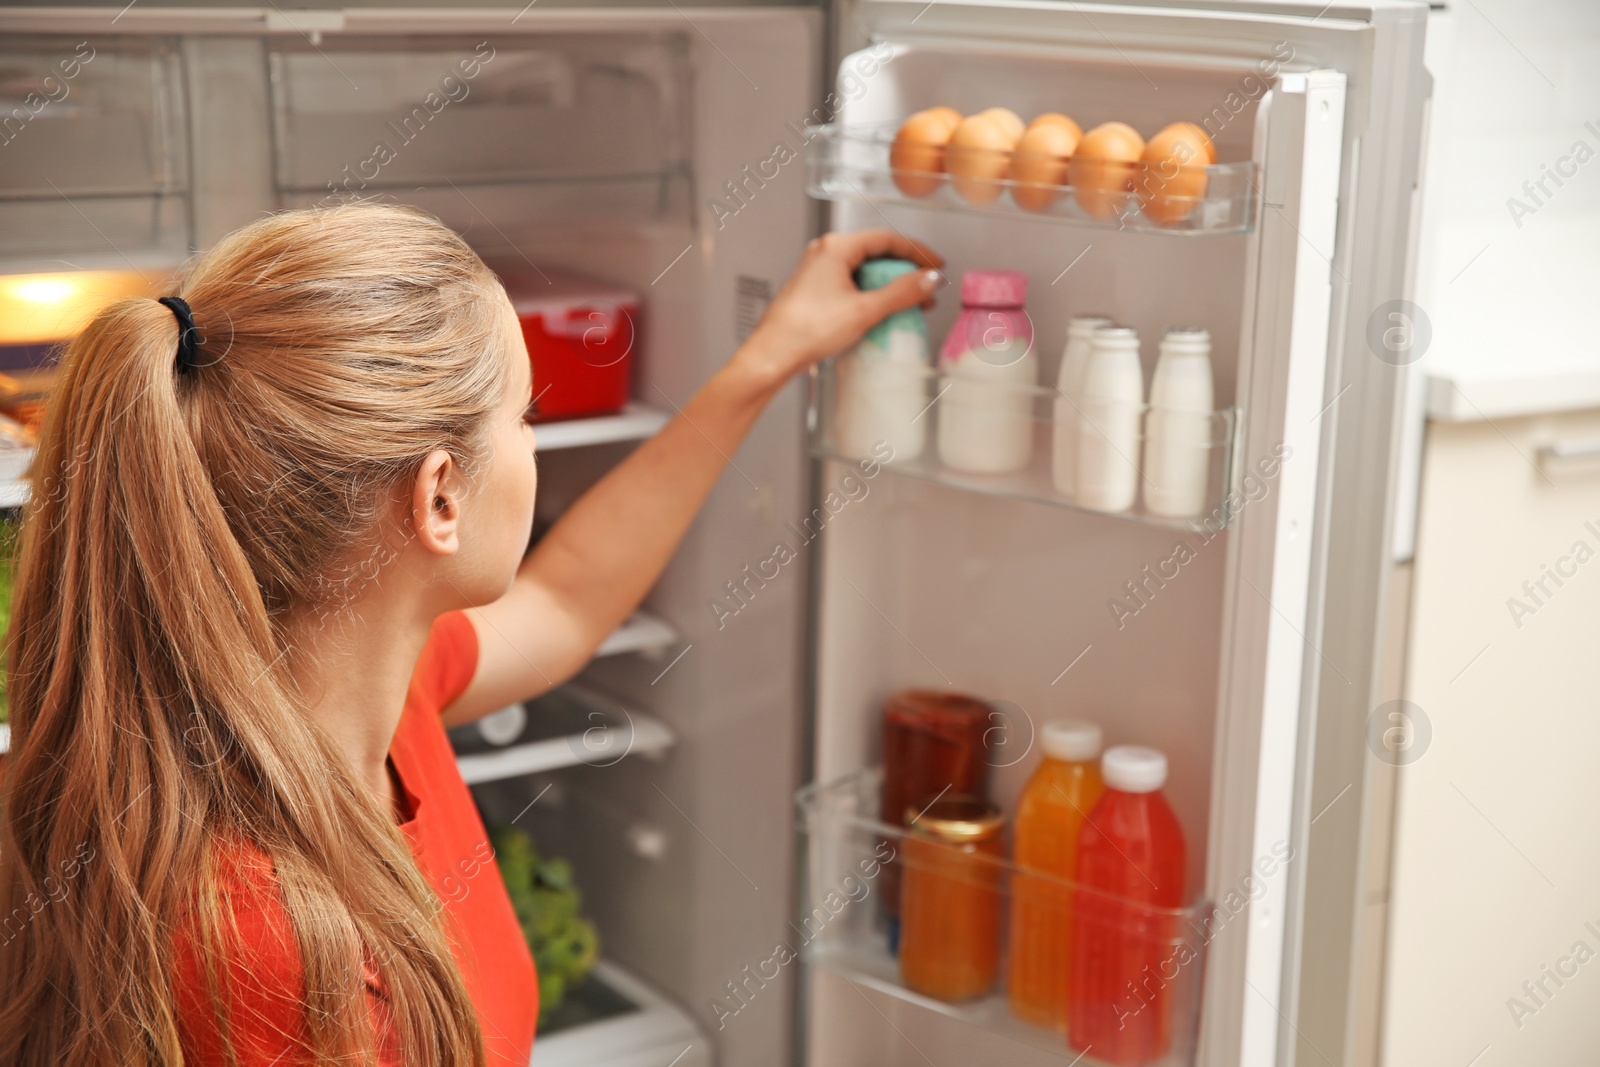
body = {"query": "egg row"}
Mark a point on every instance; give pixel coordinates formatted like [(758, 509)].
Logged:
[(1102, 167)]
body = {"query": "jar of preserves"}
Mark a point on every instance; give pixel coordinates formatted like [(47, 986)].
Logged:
[(933, 746), (950, 902)]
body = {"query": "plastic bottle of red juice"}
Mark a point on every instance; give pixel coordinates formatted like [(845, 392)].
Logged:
[(1131, 865)]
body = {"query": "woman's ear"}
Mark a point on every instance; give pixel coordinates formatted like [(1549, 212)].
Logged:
[(436, 504)]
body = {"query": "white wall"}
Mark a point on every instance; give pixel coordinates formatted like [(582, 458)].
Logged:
[(1495, 873), (1517, 84), (1505, 293)]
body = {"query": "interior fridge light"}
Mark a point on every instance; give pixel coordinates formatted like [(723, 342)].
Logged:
[(44, 290), (36, 308)]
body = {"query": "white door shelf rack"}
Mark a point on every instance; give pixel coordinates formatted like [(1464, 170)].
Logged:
[(566, 727), (639, 632), (846, 162), (635, 422), (839, 432), (841, 828)]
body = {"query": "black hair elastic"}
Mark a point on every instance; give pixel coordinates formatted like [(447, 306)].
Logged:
[(188, 336)]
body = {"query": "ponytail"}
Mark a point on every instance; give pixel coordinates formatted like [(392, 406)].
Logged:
[(178, 518)]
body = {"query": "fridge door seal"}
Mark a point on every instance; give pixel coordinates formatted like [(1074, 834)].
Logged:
[(1261, 701)]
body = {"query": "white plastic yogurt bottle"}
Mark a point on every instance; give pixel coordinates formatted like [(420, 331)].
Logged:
[(1108, 433), (1177, 432), (881, 386), (989, 375), (1069, 400)]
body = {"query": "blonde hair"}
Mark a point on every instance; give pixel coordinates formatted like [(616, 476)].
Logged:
[(179, 520)]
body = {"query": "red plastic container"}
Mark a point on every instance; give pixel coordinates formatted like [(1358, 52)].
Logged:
[(1131, 866), (582, 337)]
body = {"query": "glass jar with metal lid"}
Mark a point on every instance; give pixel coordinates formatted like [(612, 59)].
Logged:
[(950, 904)]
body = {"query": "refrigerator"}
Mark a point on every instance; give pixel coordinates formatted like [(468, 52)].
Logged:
[(698, 775)]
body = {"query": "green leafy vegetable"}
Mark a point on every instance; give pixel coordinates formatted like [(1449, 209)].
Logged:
[(548, 905)]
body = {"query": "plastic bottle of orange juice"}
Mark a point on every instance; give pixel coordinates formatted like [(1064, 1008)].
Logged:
[(1050, 815)]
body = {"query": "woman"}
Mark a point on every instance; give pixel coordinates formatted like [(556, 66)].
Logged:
[(268, 559)]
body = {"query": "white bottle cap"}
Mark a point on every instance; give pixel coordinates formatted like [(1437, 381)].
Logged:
[(1070, 739), (1134, 768), (1084, 325)]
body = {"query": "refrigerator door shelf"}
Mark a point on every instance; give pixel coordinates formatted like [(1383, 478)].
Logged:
[(567, 727), (14, 484), (634, 422), (844, 162), (640, 632), (893, 415), (845, 931)]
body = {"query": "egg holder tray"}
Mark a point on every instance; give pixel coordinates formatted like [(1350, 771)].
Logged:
[(855, 862), (909, 445), (854, 162)]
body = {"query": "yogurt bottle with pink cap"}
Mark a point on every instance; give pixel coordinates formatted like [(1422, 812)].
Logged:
[(988, 371)]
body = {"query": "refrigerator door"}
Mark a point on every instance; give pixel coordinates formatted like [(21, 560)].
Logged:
[(1277, 626)]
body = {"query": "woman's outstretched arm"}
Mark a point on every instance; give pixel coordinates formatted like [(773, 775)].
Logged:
[(599, 560)]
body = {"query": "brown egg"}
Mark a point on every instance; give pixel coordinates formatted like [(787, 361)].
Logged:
[(1057, 118), (978, 158), (1041, 161), (1174, 177), (916, 158), (1103, 168), (1008, 120), (1188, 133)]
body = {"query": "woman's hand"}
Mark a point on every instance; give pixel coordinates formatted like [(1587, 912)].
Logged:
[(820, 312), (608, 549)]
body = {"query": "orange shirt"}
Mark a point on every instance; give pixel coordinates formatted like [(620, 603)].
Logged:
[(263, 983), (452, 847)]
